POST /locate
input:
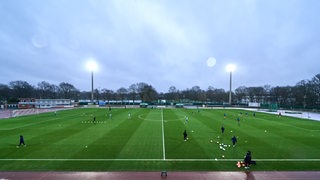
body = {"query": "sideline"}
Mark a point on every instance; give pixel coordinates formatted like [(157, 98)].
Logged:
[(173, 160)]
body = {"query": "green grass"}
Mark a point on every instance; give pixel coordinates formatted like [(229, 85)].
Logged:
[(71, 142)]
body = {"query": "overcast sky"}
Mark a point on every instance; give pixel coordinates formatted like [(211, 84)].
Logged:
[(160, 42)]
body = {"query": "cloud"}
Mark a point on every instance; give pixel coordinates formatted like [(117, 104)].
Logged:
[(162, 43)]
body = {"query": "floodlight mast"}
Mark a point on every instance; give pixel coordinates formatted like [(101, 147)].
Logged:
[(92, 86), (230, 68), (92, 66), (230, 88)]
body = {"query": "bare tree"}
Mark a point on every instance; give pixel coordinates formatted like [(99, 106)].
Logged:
[(47, 90), (21, 89), (133, 92), (108, 94), (5, 92), (122, 93), (67, 91)]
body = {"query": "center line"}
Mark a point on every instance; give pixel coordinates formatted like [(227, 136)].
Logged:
[(163, 144)]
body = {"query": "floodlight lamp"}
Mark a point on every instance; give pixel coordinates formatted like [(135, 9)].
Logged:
[(230, 67), (92, 65)]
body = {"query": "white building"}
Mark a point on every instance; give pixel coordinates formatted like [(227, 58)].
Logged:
[(53, 103)]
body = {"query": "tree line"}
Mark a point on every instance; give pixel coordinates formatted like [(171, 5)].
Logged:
[(305, 94)]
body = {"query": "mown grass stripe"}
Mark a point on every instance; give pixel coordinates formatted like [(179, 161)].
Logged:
[(163, 143)]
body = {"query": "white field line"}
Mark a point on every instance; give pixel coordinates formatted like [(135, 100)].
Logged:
[(173, 160), (163, 143), (30, 124)]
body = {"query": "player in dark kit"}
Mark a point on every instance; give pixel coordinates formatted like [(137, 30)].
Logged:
[(94, 119), (234, 140), (247, 160), (222, 129), (185, 135), (21, 141)]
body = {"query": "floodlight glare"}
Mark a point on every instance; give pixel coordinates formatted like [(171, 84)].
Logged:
[(92, 65), (230, 67)]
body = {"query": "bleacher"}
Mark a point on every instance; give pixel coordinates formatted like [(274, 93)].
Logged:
[(5, 114), (24, 112)]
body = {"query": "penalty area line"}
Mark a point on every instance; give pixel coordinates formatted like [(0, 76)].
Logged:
[(173, 160)]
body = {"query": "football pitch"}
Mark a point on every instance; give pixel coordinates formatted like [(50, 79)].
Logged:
[(152, 140)]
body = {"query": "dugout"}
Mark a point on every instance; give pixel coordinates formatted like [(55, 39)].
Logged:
[(102, 103), (179, 105)]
